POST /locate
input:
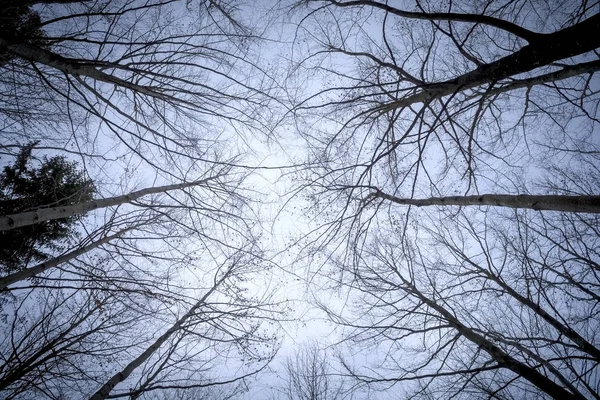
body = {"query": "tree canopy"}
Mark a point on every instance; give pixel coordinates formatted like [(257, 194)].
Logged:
[(190, 189)]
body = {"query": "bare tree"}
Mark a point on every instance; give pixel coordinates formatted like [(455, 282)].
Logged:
[(53, 263), (586, 204), (308, 375), (449, 106), (13, 221), (109, 317), (150, 255), (499, 305), (225, 322), (137, 91), (156, 213), (159, 77), (52, 338), (425, 102)]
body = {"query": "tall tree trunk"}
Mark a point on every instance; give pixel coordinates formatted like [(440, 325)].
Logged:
[(89, 68), (119, 377), (581, 204), (8, 222), (38, 269), (580, 341), (568, 42), (503, 359), (446, 16)]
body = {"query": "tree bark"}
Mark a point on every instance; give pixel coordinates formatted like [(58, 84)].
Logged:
[(38, 269), (449, 16), (579, 204), (13, 221), (580, 341)]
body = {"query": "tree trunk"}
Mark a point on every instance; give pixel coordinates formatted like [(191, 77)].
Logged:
[(503, 359), (88, 68), (569, 42), (38, 269), (581, 342), (446, 16), (119, 377), (580, 204), (8, 222)]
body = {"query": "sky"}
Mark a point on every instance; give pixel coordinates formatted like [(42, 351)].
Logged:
[(287, 167)]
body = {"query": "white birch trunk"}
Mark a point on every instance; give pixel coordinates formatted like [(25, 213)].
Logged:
[(119, 377), (503, 359), (578, 204), (38, 269), (13, 221), (568, 42), (76, 67)]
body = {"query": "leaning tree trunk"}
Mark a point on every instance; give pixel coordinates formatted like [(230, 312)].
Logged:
[(575, 337), (83, 68), (46, 265), (501, 357), (120, 376), (580, 204), (548, 48), (8, 222)]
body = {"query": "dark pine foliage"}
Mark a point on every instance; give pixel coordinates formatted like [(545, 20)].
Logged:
[(19, 24), (25, 186)]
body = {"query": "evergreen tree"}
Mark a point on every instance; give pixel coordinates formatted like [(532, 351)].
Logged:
[(19, 24), (24, 186)]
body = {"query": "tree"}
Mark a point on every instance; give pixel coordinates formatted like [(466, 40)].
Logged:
[(498, 306), (226, 322), (19, 24), (127, 291), (42, 214), (166, 291), (54, 183), (587, 204), (426, 102), (50, 339), (137, 92), (307, 375), (156, 81), (61, 259), (151, 256), (31, 219), (447, 106)]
